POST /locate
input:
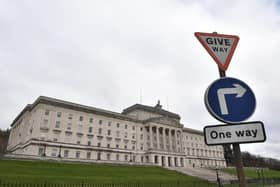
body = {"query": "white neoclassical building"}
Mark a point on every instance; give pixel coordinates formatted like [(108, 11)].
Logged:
[(56, 129)]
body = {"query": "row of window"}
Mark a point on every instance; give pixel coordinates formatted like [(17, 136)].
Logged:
[(194, 138), (90, 143), (80, 134), (201, 152), (81, 119), (66, 153), (205, 163), (191, 144), (55, 152)]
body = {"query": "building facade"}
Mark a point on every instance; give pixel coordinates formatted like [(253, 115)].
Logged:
[(56, 129)]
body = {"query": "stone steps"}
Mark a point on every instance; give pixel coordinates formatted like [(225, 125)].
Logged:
[(204, 173)]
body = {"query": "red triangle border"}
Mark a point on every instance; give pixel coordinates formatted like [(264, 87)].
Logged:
[(212, 54)]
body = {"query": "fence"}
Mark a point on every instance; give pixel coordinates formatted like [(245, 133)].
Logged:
[(85, 184), (250, 183)]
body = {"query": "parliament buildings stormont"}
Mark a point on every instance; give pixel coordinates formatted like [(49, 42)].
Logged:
[(142, 135)]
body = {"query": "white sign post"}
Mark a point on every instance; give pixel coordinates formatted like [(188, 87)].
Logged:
[(238, 133)]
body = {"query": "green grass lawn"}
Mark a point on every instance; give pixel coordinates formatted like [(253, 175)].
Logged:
[(54, 172), (252, 173), (39, 172)]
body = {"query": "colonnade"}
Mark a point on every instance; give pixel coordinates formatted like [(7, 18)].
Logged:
[(167, 160), (166, 139)]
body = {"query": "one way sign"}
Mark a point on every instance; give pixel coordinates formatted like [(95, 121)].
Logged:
[(220, 47)]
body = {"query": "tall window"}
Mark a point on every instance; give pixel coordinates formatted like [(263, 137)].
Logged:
[(66, 153), (41, 151), (81, 118), (125, 126), (88, 155), (47, 112), (118, 133), (117, 157), (90, 120), (70, 116), (58, 114), (57, 124), (99, 131), (99, 156), (109, 132), (118, 125), (78, 153), (69, 126), (108, 156), (90, 129), (100, 122)]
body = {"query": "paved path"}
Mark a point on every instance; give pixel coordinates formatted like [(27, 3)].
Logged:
[(203, 173)]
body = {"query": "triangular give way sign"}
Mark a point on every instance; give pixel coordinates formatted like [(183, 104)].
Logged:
[(220, 46)]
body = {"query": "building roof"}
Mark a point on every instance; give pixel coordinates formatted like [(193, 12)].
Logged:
[(73, 106), (156, 109), (194, 131)]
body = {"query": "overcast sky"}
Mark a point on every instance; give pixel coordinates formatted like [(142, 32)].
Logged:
[(113, 54)]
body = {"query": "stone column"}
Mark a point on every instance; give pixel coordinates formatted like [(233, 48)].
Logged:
[(151, 137), (170, 140), (159, 160), (152, 159), (181, 141), (158, 141), (171, 161), (163, 138), (175, 134)]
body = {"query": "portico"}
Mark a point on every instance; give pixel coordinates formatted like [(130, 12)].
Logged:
[(164, 140)]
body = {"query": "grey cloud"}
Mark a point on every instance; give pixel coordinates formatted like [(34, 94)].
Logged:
[(103, 53)]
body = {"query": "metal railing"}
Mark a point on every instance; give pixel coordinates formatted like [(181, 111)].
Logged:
[(250, 182), (86, 184)]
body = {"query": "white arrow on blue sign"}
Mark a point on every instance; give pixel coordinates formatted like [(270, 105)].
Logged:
[(230, 100)]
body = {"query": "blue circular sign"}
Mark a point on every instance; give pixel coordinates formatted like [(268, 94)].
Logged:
[(230, 100)]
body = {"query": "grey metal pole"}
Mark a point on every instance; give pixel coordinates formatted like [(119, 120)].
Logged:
[(239, 165), (237, 152)]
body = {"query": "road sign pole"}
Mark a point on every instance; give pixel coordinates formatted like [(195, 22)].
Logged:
[(237, 152), (222, 72), (239, 165)]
